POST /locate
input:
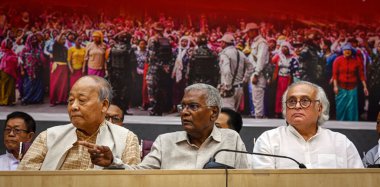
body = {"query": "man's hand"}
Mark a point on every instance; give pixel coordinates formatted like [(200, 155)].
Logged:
[(100, 155)]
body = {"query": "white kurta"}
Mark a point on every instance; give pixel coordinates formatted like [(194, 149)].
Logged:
[(326, 149)]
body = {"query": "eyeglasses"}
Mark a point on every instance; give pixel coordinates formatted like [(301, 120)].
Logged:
[(304, 102), (191, 106), (113, 119), (15, 131)]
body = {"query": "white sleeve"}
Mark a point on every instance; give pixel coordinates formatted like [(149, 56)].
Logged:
[(225, 70), (262, 145), (262, 57), (353, 157)]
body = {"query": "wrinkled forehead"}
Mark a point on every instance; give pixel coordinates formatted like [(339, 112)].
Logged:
[(85, 87), (194, 95), (302, 90)]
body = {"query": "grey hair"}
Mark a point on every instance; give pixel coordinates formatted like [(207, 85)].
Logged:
[(105, 89), (212, 94), (321, 96)]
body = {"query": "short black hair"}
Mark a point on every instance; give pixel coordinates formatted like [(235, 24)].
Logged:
[(235, 121), (29, 121), (117, 104)]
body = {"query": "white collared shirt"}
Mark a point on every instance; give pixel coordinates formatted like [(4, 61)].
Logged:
[(326, 149), (174, 151), (8, 162)]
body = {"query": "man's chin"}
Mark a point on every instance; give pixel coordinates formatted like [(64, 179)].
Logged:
[(77, 123), (76, 119), (13, 146), (187, 126)]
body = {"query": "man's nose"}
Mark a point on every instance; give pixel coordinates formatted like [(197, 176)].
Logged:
[(298, 105), (74, 105), (12, 133), (185, 111)]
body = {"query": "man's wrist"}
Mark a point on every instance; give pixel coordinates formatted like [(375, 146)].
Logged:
[(116, 163)]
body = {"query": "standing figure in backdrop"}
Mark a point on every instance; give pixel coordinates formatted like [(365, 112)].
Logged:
[(8, 73), (286, 66), (329, 58), (31, 70), (75, 60), (180, 71), (95, 58), (235, 69), (121, 66), (59, 74), (347, 73), (158, 78), (259, 57), (311, 64), (204, 66), (142, 56), (374, 84)]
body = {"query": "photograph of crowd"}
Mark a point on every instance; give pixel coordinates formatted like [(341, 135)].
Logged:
[(150, 53)]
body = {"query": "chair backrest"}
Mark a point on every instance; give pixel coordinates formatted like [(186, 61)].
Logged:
[(146, 145), (24, 148)]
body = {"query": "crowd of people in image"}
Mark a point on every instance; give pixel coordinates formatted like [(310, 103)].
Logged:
[(150, 61)]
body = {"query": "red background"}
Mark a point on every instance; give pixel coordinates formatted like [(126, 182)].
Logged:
[(359, 10)]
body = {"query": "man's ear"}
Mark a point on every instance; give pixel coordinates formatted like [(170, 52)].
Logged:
[(106, 105), (30, 136), (320, 109), (215, 113)]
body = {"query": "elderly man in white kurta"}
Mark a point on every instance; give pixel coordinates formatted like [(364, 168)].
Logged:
[(306, 108)]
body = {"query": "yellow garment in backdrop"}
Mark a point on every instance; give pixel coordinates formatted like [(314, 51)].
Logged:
[(75, 56)]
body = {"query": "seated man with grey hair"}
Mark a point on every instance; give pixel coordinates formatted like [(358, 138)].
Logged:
[(193, 147), (305, 108), (58, 148)]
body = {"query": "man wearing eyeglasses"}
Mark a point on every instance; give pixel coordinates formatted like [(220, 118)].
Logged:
[(19, 127), (115, 115), (193, 147), (305, 108), (372, 157)]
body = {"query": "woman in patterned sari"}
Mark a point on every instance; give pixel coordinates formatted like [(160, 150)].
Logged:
[(8, 73), (31, 70), (286, 70)]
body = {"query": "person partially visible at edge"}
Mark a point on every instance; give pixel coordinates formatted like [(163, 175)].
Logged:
[(229, 119), (373, 156), (115, 115), (19, 127)]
